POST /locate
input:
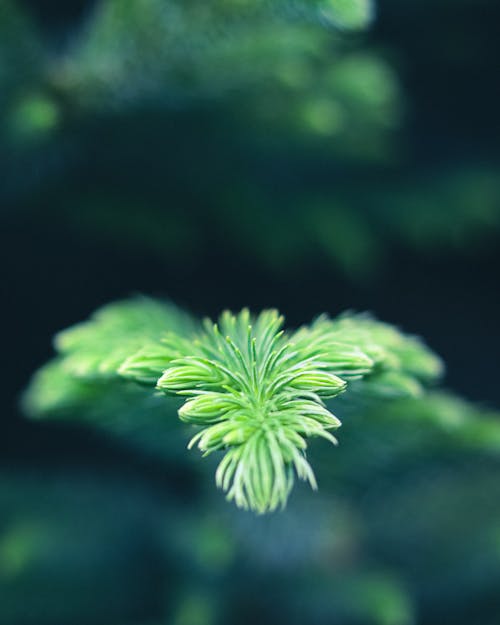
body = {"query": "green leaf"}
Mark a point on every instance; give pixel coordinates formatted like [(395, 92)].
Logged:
[(258, 400), (391, 363), (143, 420), (97, 348), (150, 362)]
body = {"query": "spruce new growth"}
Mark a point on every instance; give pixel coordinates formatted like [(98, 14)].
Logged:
[(255, 392)]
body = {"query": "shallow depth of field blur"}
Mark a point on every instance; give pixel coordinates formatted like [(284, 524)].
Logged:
[(309, 155)]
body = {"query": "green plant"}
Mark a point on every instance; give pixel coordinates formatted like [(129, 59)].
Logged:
[(255, 391)]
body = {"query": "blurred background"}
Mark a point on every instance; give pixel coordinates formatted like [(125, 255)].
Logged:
[(310, 155)]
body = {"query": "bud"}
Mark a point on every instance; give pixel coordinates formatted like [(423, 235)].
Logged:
[(319, 413), (190, 373), (206, 408), (321, 382)]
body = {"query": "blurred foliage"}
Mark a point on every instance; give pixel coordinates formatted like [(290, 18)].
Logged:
[(61, 546), (173, 90), (383, 542), (95, 349)]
